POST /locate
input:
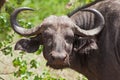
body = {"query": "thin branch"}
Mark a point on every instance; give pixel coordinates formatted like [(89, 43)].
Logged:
[(1, 78), (2, 62), (7, 46), (7, 73)]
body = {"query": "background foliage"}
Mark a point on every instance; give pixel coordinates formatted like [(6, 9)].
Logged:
[(28, 19)]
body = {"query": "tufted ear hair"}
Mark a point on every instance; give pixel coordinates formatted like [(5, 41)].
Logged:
[(28, 45), (88, 46), (85, 45)]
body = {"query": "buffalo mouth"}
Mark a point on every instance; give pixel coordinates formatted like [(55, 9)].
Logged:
[(58, 65)]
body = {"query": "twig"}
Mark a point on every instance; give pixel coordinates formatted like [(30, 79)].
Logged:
[(7, 73), (2, 62), (1, 78), (6, 46)]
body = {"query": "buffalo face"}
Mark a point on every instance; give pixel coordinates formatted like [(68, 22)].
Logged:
[(58, 40)]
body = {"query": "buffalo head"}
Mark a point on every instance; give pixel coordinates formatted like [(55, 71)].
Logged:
[(56, 34)]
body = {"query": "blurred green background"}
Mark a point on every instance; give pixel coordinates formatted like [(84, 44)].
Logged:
[(17, 65)]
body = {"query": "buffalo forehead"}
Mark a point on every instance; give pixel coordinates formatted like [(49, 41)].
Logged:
[(58, 31), (61, 25), (57, 22)]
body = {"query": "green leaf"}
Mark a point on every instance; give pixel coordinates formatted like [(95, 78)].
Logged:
[(40, 50), (37, 78), (34, 64), (7, 50), (17, 62)]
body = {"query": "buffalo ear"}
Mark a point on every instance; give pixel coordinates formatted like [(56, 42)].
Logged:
[(87, 46), (27, 45)]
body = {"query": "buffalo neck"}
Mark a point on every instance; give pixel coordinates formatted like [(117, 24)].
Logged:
[(86, 64)]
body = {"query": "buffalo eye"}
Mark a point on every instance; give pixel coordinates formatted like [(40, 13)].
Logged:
[(69, 38), (47, 38)]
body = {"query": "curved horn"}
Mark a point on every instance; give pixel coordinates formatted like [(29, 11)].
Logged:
[(94, 31), (20, 30)]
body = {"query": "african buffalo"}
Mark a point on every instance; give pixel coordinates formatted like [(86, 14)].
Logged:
[(87, 40)]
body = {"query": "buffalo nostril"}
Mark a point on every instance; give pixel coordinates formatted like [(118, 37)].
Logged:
[(52, 57), (65, 57)]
